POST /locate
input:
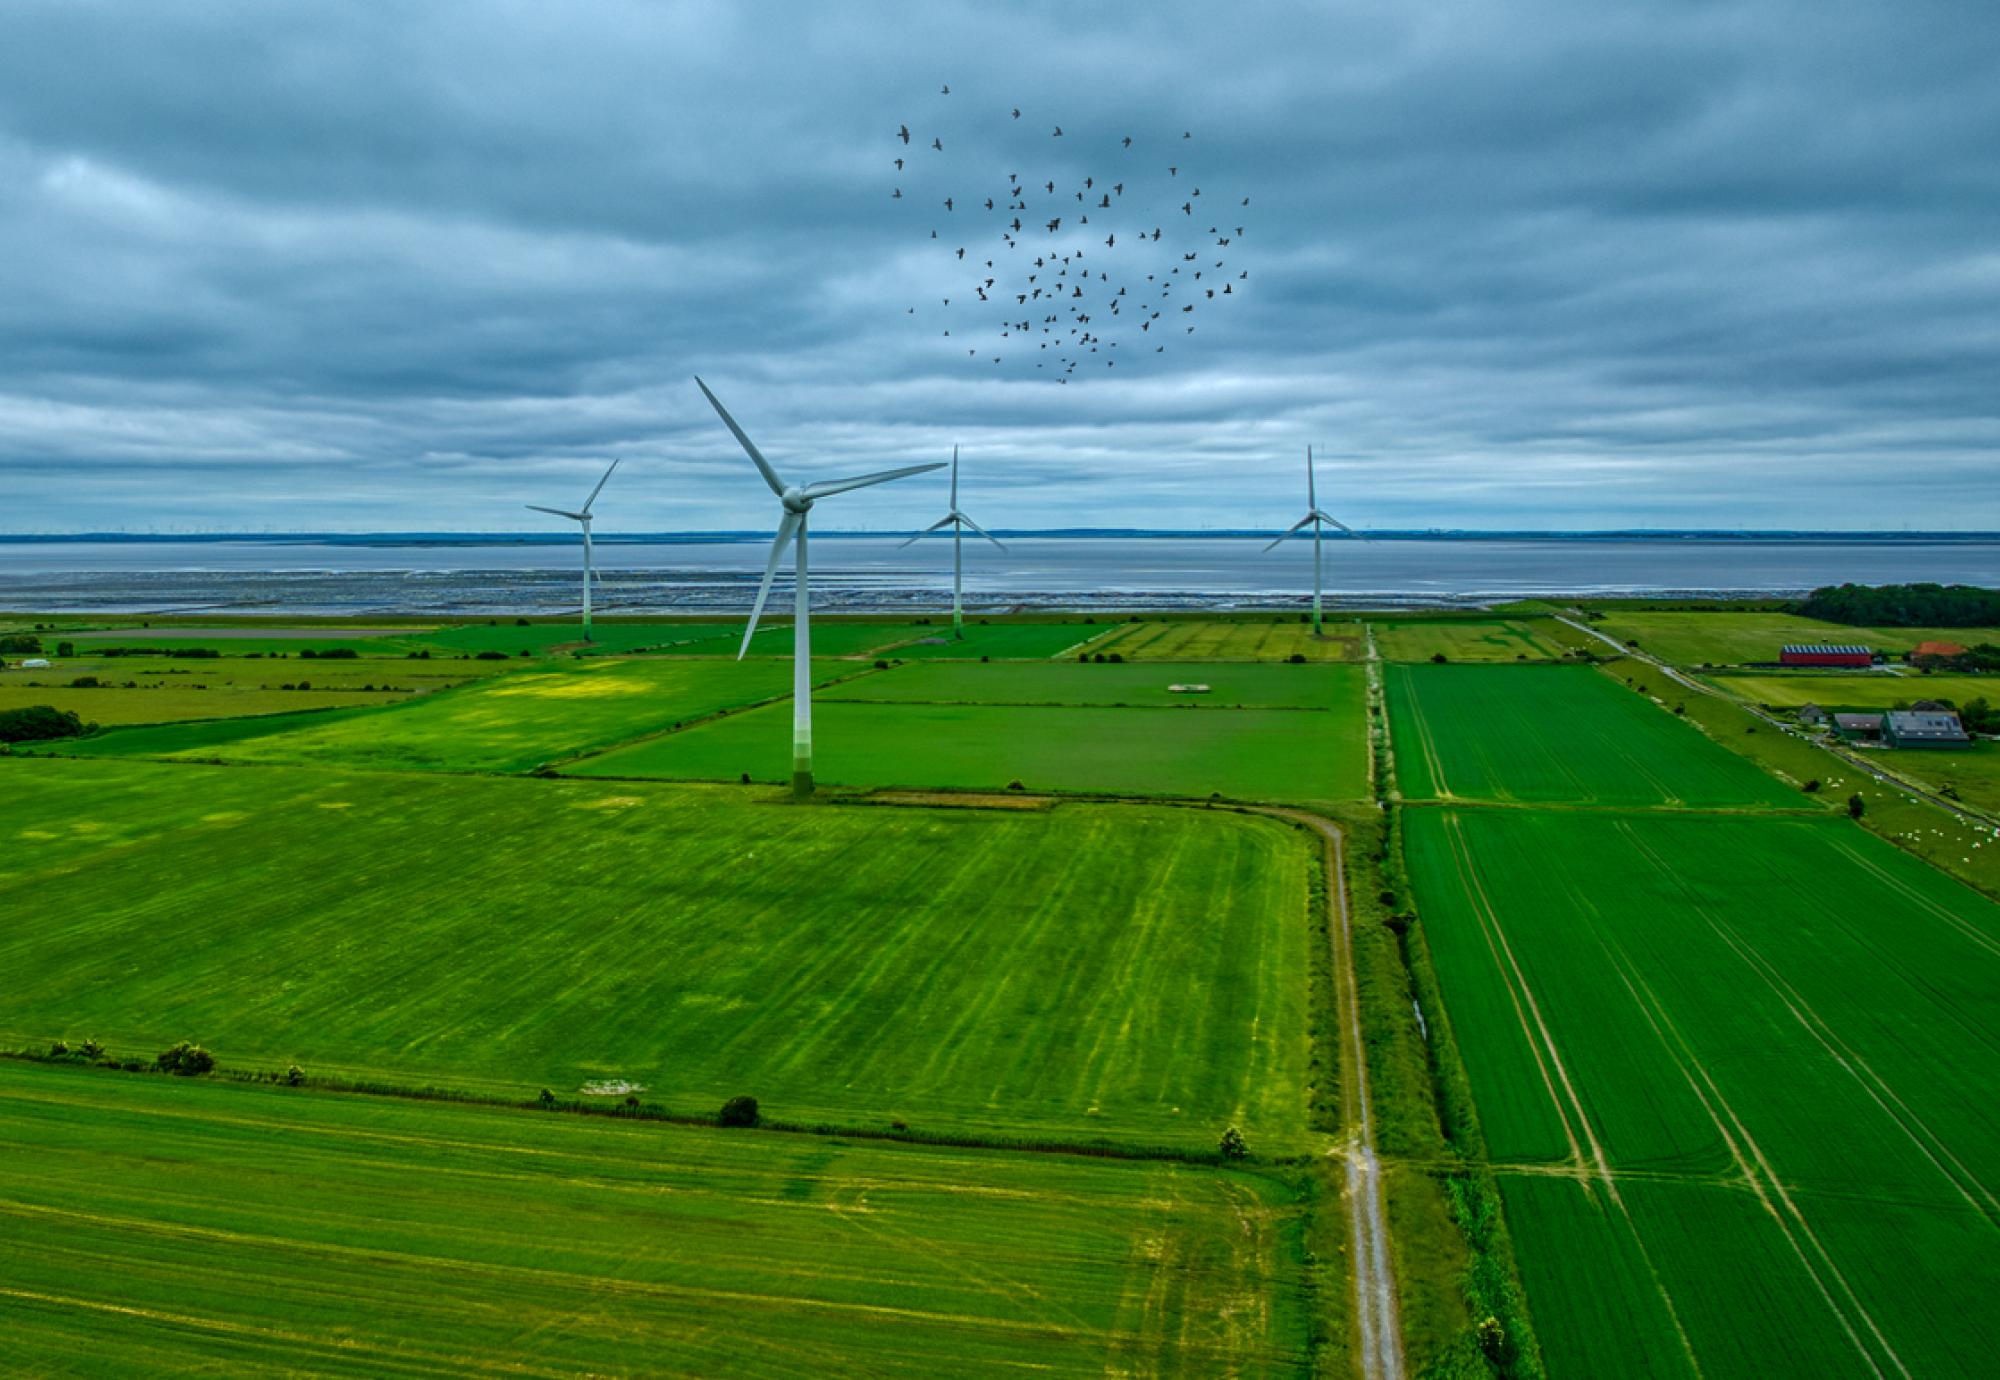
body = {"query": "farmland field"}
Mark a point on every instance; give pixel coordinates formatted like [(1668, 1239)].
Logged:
[(509, 723), (171, 703), (1001, 641), (1555, 734), (1336, 686), (1215, 640), (157, 1226), (1729, 1060), (1726, 639), (1256, 754), (1465, 639), (1081, 972), (1858, 692)]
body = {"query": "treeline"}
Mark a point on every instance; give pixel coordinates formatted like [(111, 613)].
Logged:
[(1904, 606)]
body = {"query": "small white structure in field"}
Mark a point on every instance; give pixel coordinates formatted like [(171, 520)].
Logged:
[(1187, 689), (35, 663)]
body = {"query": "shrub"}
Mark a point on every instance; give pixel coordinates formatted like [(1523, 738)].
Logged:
[(1232, 1146), (1387, 898), (1297, 658), (520, 622), (65, 649), (1083, 656), (525, 652), (93, 1048), (1810, 786), (36, 722), (490, 655), (1439, 658), (59, 1048), (85, 683), (744, 779), (547, 1098), (1098, 657), (26, 643), (986, 658), (295, 1076), (185, 1060), (1115, 659), (738, 1111), (1015, 785), (1856, 806), (881, 665)]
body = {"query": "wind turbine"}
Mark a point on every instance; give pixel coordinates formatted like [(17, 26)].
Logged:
[(958, 522), (582, 517), (1317, 520), (797, 501)]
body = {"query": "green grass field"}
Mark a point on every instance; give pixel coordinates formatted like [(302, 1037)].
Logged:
[(1001, 641), (1215, 640), (155, 1226), (1727, 1060), (1337, 687), (1549, 734), (1078, 973), (1250, 754), (1856, 692), (1730, 639), (508, 723), (1509, 639)]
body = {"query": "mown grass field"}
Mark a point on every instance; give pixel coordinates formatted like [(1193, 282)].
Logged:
[(1724, 1064), (507, 723), (1856, 692), (1555, 734), (1730, 639), (1127, 973), (1001, 641), (1509, 639), (1216, 640), (1337, 687), (157, 1226), (1248, 754)]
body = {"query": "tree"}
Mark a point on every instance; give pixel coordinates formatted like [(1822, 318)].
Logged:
[(1232, 1145), (23, 643), (1856, 806), (738, 1111), (36, 722), (186, 1060)]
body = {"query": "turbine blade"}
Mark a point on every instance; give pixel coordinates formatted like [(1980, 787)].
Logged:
[(1312, 498), (786, 531), (600, 487), (941, 522), (763, 465), (954, 479), (841, 486), (1328, 517), (981, 530), (573, 517), (1293, 528)]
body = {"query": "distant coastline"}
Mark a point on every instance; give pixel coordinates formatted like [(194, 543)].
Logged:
[(472, 539)]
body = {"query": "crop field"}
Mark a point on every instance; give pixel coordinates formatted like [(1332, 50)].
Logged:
[(1729, 639), (1080, 973), (380, 1237), (1549, 734), (1508, 639), (1723, 1064), (1868, 690), (170, 703), (1001, 641), (1339, 687), (509, 723), (1213, 640), (1250, 754)]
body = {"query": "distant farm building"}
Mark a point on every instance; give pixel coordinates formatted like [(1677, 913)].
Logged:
[(1858, 725), (1187, 689), (1812, 714), (1825, 654), (1912, 728), (1936, 651)]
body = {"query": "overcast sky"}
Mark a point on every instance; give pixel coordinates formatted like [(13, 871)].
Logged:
[(370, 266)]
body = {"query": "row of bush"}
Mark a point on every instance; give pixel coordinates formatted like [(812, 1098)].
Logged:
[(38, 722)]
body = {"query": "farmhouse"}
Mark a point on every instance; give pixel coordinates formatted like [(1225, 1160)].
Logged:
[(1912, 728), (1825, 654), (1936, 649), (1858, 725), (1812, 715)]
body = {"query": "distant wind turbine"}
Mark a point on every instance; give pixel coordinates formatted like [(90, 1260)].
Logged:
[(797, 501), (1317, 520), (957, 521), (583, 517)]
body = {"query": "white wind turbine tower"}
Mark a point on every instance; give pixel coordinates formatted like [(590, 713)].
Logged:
[(583, 517), (957, 521), (797, 500), (1318, 521)]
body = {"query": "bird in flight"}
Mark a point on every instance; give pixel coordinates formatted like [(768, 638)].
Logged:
[(1110, 240), (1017, 112), (946, 91), (899, 165), (947, 203), (938, 144), (1058, 133), (1128, 141), (903, 133)]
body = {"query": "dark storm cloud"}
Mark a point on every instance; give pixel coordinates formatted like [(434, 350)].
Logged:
[(374, 265)]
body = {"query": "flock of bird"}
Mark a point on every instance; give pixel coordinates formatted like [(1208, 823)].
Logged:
[(1069, 269)]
